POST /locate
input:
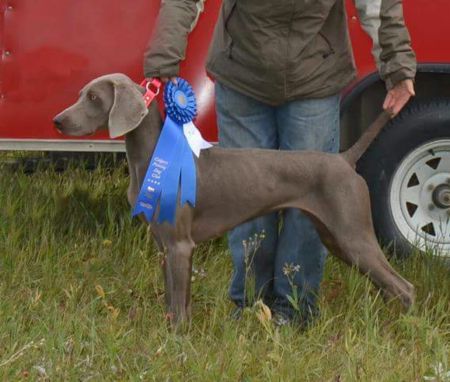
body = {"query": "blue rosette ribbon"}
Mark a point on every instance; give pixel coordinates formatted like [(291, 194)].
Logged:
[(172, 169)]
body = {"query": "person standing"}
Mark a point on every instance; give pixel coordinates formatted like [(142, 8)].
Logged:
[(279, 67)]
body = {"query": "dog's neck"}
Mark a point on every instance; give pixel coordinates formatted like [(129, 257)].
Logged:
[(144, 137), (140, 144)]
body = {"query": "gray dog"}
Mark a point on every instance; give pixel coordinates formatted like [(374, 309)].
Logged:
[(236, 185)]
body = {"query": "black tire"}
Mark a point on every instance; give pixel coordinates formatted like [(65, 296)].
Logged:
[(421, 122)]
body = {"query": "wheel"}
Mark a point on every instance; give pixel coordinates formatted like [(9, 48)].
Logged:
[(407, 170)]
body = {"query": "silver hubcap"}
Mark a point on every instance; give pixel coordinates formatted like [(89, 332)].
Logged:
[(420, 197)]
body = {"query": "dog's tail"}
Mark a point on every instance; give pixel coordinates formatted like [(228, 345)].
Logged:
[(355, 152)]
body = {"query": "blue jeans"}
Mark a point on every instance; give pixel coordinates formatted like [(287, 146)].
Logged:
[(290, 237)]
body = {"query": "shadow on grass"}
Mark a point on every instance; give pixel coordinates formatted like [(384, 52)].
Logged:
[(34, 162), (82, 211)]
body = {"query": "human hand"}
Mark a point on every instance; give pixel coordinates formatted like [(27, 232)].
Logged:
[(167, 79), (398, 96)]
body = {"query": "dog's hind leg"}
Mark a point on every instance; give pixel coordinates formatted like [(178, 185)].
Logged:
[(346, 228), (365, 253)]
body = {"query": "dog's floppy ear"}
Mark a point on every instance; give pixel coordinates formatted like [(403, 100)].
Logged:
[(128, 109)]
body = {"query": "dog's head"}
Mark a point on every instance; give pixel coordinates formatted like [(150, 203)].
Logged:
[(112, 102)]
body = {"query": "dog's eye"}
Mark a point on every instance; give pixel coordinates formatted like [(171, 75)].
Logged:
[(92, 97)]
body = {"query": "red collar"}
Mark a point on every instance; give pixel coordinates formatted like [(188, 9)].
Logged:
[(152, 87)]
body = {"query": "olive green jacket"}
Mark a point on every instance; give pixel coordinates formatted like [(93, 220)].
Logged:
[(280, 50)]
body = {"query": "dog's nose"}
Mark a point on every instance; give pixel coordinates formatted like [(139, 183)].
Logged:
[(57, 121)]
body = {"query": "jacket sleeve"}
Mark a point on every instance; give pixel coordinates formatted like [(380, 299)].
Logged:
[(383, 21), (167, 47)]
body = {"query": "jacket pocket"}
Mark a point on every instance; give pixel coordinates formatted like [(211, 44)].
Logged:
[(329, 50), (313, 59)]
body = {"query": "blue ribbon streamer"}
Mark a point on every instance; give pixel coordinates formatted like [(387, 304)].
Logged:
[(172, 166)]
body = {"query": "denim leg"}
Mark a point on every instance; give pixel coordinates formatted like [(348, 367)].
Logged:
[(303, 125), (245, 122)]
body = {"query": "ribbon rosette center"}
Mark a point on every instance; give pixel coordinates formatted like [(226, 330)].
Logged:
[(181, 100)]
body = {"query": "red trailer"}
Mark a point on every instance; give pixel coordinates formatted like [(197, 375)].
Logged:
[(51, 48)]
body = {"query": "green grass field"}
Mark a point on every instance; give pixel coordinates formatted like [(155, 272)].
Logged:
[(82, 299)]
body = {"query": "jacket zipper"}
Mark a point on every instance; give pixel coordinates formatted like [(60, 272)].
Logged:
[(230, 45), (287, 49)]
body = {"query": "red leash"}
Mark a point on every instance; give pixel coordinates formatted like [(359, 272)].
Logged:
[(152, 87)]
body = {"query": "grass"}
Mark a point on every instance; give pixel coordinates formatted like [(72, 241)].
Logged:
[(82, 298)]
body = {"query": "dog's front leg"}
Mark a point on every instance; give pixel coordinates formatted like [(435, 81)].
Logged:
[(177, 267)]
